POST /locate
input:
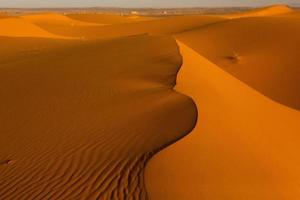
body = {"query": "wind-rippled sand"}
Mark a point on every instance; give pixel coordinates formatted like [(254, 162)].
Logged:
[(79, 120), (87, 100)]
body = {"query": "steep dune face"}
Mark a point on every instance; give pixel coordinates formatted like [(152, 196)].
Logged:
[(262, 52), (16, 27), (244, 146), (82, 112), (80, 121)]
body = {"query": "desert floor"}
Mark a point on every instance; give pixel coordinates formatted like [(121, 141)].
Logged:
[(193, 107)]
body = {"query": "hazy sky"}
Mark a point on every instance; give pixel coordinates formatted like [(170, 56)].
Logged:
[(140, 3)]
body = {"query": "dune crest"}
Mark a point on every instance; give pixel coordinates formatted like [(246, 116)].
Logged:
[(88, 99), (107, 18), (53, 18), (16, 27), (244, 145), (81, 124), (261, 12), (164, 26), (261, 55)]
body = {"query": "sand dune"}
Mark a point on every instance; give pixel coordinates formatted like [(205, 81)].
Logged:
[(261, 12), (66, 114), (17, 48), (243, 147), (108, 19), (88, 99), (162, 26), (58, 24), (262, 55), (55, 19), (16, 27)]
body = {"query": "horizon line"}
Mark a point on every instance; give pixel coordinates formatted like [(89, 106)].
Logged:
[(154, 7)]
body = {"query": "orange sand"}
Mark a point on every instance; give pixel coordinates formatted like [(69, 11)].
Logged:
[(262, 54), (55, 19), (245, 145), (79, 124), (267, 11), (16, 27), (88, 99), (108, 19)]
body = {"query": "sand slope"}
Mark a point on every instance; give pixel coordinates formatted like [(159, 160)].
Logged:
[(259, 51), (77, 123), (164, 26), (86, 101), (55, 19), (266, 11), (108, 19), (245, 146), (16, 27), (58, 24)]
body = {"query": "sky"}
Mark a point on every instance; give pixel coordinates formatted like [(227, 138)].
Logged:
[(141, 3)]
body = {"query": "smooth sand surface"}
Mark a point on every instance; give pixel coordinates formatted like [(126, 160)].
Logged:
[(55, 19), (245, 146), (17, 27), (164, 26), (266, 11), (260, 51), (88, 99), (59, 24), (108, 18)]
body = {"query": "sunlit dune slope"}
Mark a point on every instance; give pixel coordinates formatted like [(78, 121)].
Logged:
[(245, 146), (88, 99), (266, 11), (262, 52), (57, 24), (108, 19), (80, 121), (17, 27), (162, 26), (55, 19)]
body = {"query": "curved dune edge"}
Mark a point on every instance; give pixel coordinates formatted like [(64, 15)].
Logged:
[(244, 144), (88, 168), (18, 27), (56, 19), (266, 11), (263, 55), (77, 123), (164, 26)]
